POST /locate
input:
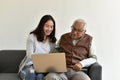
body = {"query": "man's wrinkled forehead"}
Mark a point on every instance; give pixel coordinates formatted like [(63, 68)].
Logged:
[(79, 25)]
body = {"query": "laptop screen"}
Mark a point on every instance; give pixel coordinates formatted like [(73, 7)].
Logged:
[(52, 62)]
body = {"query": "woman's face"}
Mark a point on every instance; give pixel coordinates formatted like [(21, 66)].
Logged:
[(48, 27)]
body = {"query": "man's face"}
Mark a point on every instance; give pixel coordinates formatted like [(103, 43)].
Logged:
[(78, 30)]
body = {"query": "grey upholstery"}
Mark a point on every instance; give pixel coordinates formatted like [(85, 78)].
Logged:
[(95, 72), (9, 63), (9, 76), (10, 60)]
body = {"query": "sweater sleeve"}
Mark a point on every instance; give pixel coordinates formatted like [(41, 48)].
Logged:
[(92, 56), (30, 45)]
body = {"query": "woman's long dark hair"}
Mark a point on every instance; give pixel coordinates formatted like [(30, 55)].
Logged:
[(39, 32)]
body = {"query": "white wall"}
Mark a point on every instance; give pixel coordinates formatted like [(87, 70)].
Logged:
[(19, 17)]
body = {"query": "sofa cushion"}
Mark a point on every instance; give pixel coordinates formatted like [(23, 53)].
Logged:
[(10, 60), (9, 76)]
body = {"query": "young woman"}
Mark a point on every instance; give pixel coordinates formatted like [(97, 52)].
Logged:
[(41, 40)]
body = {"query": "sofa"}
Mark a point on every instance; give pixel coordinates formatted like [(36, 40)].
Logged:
[(10, 60)]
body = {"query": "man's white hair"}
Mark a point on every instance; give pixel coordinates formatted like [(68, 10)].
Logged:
[(80, 21)]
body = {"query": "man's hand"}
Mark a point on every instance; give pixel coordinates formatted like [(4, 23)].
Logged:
[(77, 66)]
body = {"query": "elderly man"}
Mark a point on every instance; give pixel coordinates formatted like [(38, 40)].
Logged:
[(79, 49)]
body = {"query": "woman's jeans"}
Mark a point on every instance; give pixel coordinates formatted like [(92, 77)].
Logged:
[(28, 73)]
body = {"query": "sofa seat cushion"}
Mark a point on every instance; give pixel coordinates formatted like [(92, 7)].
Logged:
[(9, 76)]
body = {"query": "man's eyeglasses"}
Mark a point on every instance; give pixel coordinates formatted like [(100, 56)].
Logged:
[(77, 30)]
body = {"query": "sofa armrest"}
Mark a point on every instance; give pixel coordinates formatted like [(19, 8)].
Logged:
[(10, 60), (95, 71)]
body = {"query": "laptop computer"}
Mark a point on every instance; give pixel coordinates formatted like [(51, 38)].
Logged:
[(52, 62)]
